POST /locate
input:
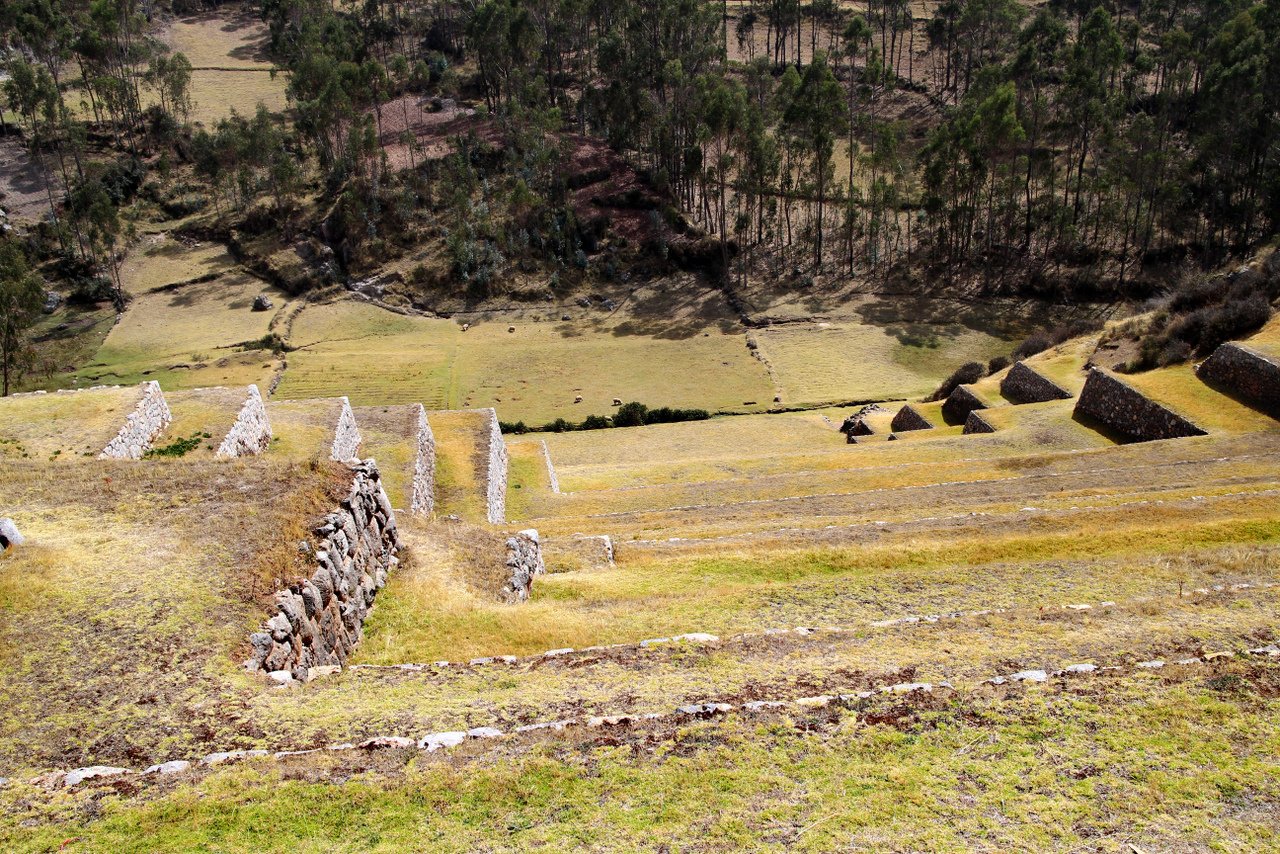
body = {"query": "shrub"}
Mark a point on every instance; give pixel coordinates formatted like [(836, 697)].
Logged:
[(630, 415), (998, 364), (969, 372)]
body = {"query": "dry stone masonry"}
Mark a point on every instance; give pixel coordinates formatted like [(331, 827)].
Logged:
[(551, 469), (495, 470), (1122, 408), (975, 423), (319, 621), (148, 420), (346, 435), (909, 419), (422, 494), (1025, 385), (524, 562), (1245, 373), (251, 434), (960, 403)]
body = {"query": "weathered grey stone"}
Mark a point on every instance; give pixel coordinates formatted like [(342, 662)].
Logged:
[(262, 303), (9, 534), (346, 435), (441, 740), (1023, 384), (524, 562), (223, 757), (164, 769), (387, 742), (496, 471), (1126, 411), (909, 419), (92, 772)]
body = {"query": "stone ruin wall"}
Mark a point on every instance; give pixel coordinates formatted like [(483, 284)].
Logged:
[(524, 563), (958, 405), (909, 419), (551, 469), (1121, 407), (422, 493), (319, 621), (495, 471), (346, 435), (1245, 373), (143, 425), (251, 434), (975, 423), (1023, 384)]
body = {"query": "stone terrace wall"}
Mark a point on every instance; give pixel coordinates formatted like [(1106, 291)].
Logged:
[(148, 420), (1245, 373), (422, 498), (975, 423), (319, 621), (909, 419), (524, 563), (495, 471), (251, 434), (1124, 409), (960, 403), (346, 435), (1024, 385)]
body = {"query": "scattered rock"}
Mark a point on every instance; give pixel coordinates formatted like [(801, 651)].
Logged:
[(387, 742), (164, 769), (92, 772), (262, 303), (441, 740), (52, 299)]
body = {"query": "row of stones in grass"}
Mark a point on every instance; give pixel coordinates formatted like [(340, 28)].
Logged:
[(1121, 408), (704, 638), (320, 620), (1244, 373), (707, 710)]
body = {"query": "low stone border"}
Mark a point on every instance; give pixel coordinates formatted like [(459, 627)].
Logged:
[(422, 497), (802, 631), (551, 469), (495, 470), (707, 710)]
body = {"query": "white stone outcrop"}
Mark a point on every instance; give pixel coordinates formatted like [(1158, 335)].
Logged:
[(524, 563), (251, 434), (143, 425), (346, 435), (422, 492)]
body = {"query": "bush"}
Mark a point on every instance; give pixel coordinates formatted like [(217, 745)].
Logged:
[(998, 364), (1039, 341), (969, 372), (630, 415)]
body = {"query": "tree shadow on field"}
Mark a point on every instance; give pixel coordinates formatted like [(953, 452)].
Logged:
[(675, 313), (914, 319)]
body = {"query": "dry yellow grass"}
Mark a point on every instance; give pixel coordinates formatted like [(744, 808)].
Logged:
[(64, 425), (159, 260), (1178, 388), (460, 488)]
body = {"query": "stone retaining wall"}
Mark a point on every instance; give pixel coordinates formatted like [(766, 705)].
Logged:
[(975, 423), (1246, 373), (251, 434), (1122, 408), (144, 424), (909, 419), (422, 498), (524, 563), (958, 405), (346, 435), (1025, 385), (495, 470), (320, 620)]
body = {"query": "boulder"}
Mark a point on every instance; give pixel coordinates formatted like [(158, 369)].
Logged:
[(262, 303), (9, 535)]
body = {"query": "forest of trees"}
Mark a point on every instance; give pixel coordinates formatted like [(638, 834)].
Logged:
[(1064, 149)]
